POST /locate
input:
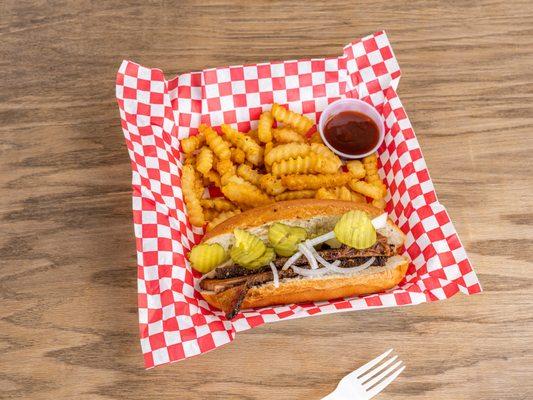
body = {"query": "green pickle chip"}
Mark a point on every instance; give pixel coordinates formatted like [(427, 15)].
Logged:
[(247, 248), (285, 239), (205, 257), (355, 229)]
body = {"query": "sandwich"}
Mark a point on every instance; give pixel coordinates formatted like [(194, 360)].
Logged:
[(298, 251)]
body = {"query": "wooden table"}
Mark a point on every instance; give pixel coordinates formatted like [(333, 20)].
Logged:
[(68, 322)]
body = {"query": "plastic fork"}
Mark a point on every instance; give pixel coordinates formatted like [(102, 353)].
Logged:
[(369, 380)]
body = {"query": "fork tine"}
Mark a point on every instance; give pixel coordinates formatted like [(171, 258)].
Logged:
[(374, 371), (378, 388), (361, 370), (376, 379)]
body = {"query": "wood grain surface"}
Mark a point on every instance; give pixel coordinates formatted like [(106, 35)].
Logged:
[(68, 322)]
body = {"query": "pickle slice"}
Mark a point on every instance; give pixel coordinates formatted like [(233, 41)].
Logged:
[(247, 247), (267, 257), (355, 229), (205, 257), (333, 243), (277, 233), (285, 239)]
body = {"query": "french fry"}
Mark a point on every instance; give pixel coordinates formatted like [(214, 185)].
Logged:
[(237, 155), (366, 189), (272, 185), (210, 214), (192, 143), (248, 174), (253, 151), (315, 138), (219, 146), (315, 182), (285, 151), (264, 127), (204, 160), (269, 146), (287, 135), (379, 203), (213, 177), (356, 168), (299, 122), (218, 203), (339, 193), (190, 159), (296, 194), (253, 134), (192, 201), (298, 165), (242, 192)]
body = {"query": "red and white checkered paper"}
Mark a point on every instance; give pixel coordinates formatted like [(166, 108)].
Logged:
[(175, 322)]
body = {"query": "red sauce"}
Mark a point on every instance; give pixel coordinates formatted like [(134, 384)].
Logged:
[(351, 132)]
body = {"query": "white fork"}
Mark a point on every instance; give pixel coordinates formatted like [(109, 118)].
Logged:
[(365, 383)]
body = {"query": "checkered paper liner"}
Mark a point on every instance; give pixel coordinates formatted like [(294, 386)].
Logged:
[(175, 322)]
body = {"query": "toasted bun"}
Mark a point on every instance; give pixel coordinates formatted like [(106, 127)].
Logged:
[(287, 210), (308, 213), (298, 290)]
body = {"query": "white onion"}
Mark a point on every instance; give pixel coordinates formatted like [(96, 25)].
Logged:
[(291, 260), (380, 221), (310, 257), (197, 283), (275, 274), (321, 260), (310, 272), (321, 239), (336, 269)]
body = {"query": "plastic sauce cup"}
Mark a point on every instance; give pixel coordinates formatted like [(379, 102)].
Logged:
[(359, 106)]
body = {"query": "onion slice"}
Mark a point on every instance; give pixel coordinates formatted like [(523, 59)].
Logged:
[(321, 260), (320, 239), (338, 270), (380, 221), (275, 274), (310, 257), (310, 272), (291, 260)]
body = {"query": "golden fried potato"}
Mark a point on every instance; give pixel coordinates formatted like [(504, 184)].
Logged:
[(286, 151), (204, 160), (224, 166), (299, 122), (339, 193), (192, 143), (301, 182), (296, 194), (213, 177), (242, 192), (366, 189), (287, 135), (298, 165), (356, 168), (379, 203), (218, 203), (219, 146), (315, 138), (192, 200), (237, 155), (264, 127), (253, 151), (272, 185), (249, 174), (254, 135)]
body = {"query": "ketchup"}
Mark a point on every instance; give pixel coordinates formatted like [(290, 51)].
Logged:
[(351, 133)]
